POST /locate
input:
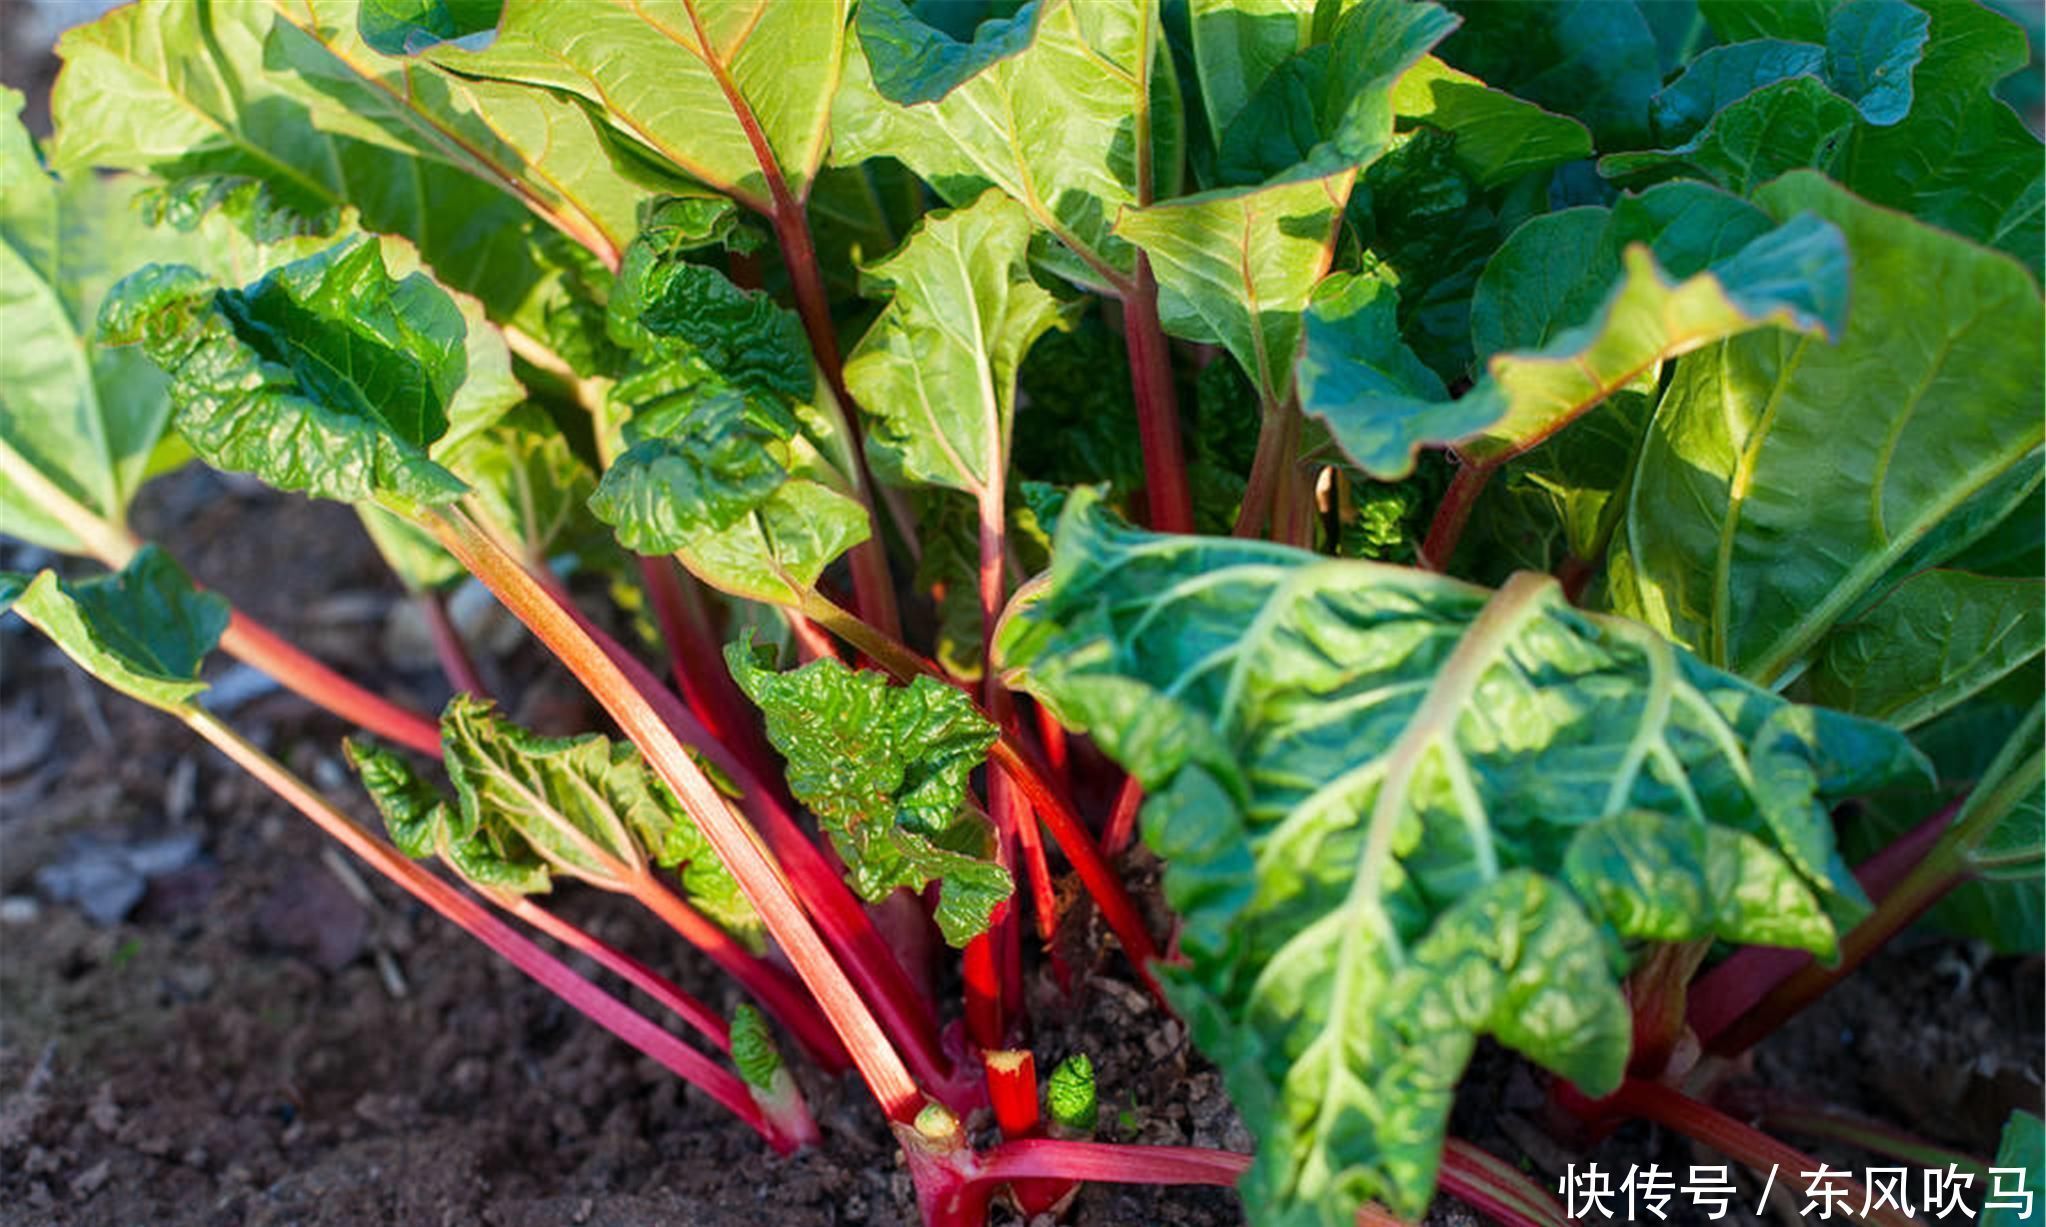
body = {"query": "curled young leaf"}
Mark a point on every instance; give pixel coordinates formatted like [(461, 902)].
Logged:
[(423, 823), (1398, 812), (885, 768)]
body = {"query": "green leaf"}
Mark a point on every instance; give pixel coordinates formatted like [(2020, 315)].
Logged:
[(1962, 159), (2023, 1148), (1722, 76), (422, 823), (143, 630), (187, 90), (367, 71), (528, 480), (1791, 124), (1594, 59), (87, 418), (326, 376), (1498, 137), (1048, 106), (1330, 107), (659, 76), (936, 373), (884, 768), (1872, 49), (1069, 1095), (587, 807), (1758, 518), (1367, 784), (1238, 44), (1235, 268), (1930, 642), (1793, 277)]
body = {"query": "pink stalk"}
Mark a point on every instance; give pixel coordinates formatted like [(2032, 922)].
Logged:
[(1446, 529), (1122, 820), (721, 1084), (1168, 500), (631, 970), (699, 663), (256, 645)]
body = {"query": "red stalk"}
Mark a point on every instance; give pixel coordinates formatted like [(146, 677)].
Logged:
[(592, 1002), (1278, 447), (778, 992), (1165, 490), (1734, 990), (631, 970), (1446, 529), (1794, 1114), (734, 842), (699, 665), (1122, 820), (256, 645), (823, 893), (1500, 1192), (455, 662), (1750, 1147), (981, 966), (1057, 753), (1012, 1090)]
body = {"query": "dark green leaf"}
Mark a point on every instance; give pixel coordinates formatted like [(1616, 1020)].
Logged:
[(1930, 642), (1758, 517), (1791, 124), (2023, 1148), (1367, 783), (1872, 47), (401, 27), (143, 630), (884, 768), (1594, 59), (1723, 76), (1962, 159), (1498, 137)]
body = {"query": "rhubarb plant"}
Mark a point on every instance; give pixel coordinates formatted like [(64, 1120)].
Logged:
[(1532, 511)]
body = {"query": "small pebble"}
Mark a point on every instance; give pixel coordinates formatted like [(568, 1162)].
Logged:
[(20, 910), (90, 1180)]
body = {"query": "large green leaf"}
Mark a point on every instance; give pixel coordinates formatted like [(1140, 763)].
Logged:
[(936, 373), (1238, 44), (697, 82), (1561, 362), (550, 149), (1594, 59), (1784, 480), (2021, 1170), (1962, 159), (1398, 812), (143, 630), (1235, 268), (884, 768), (1059, 106), (88, 418), (326, 376), (587, 807), (184, 89)]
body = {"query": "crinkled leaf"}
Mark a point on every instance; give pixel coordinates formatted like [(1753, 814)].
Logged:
[(1498, 137), (1235, 268), (1046, 105), (1791, 124), (423, 823), (1759, 518), (657, 75), (754, 1053), (1330, 107), (1366, 783), (143, 630), (588, 807), (1962, 159), (529, 480), (88, 418), (1793, 276), (884, 768), (1594, 59), (692, 474), (936, 373), (326, 376)]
